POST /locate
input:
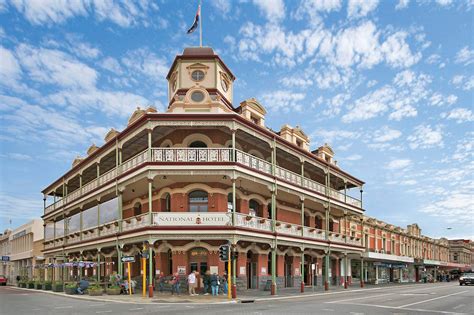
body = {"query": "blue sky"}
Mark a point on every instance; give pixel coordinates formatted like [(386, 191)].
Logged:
[(388, 84)]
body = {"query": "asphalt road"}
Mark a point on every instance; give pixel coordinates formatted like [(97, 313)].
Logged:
[(442, 298)]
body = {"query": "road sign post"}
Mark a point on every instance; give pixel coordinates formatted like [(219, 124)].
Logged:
[(129, 278)]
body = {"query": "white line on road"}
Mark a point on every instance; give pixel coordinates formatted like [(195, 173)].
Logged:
[(429, 300), (459, 306), (62, 307), (405, 309), (359, 298), (136, 309), (101, 312), (327, 309)]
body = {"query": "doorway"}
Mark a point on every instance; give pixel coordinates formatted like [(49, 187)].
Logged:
[(288, 268), (198, 262), (251, 271)]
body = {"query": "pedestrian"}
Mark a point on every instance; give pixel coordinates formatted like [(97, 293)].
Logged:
[(207, 282), (175, 284), (82, 286), (214, 279), (224, 284), (192, 283)]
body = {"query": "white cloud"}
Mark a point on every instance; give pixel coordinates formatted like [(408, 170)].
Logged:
[(147, 63), (460, 115), (360, 8), (80, 48), (455, 207), (10, 71), (463, 82), (55, 67), (425, 137), (17, 156), (282, 100), (122, 13), (465, 149), (315, 8), (372, 83), (112, 65), (296, 81), (223, 6), (444, 2), (272, 9), (402, 4), (31, 207), (334, 106), (354, 157), (386, 134), (437, 99), (465, 56), (398, 164), (330, 136)]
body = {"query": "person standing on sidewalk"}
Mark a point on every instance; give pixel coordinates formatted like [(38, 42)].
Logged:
[(175, 284), (214, 284), (206, 279), (192, 283), (224, 284)]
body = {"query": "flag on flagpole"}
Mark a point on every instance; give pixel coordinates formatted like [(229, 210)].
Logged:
[(196, 21)]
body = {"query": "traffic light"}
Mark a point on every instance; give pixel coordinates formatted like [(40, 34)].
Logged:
[(224, 252)]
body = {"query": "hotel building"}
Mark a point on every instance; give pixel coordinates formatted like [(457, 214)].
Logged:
[(175, 186)]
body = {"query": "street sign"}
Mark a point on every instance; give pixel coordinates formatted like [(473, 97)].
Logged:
[(5, 258), (128, 259)]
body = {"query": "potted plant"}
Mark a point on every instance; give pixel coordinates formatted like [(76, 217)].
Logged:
[(47, 285), (30, 284), (57, 286), (262, 221), (39, 285), (113, 290), (248, 217), (95, 290), (70, 288), (22, 284)]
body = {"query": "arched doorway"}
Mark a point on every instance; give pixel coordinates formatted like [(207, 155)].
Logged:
[(137, 209), (198, 201), (288, 268), (198, 144), (251, 270), (197, 258), (318, 222), (254, 208)]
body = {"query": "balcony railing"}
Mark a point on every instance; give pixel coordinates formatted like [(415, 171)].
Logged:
[(203, 155), (205, 219)]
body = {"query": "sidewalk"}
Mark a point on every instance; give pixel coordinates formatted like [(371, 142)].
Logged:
[(242, 297)]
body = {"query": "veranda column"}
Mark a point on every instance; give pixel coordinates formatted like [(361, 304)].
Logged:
[(149, 145), (274, 249), (302, 270), (362, 278), (346, 278), (150, 201), (150, 268), (119, 209), (326, 269), (98, 265)]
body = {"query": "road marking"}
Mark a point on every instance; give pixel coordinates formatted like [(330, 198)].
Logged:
[(36, 309), (101, 312), (359, 298), (413, 294), (354, 313), (136, 309), (429, 300), (327, 309), (459, 306), (62, 307), (405, 309)]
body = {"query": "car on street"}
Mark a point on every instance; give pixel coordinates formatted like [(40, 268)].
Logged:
[(466, 278), (3, 280)]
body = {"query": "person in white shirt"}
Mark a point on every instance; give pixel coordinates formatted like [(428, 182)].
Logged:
[(192, 283)]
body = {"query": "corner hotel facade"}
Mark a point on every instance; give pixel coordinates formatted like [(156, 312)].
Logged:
[(179, 184)]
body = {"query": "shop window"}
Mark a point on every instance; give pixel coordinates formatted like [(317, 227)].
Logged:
[(253, 208), (198, 201), (198, 144), (137, 209)]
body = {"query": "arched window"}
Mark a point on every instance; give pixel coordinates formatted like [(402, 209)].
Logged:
[(197, 144), (331, 225), (269, 207), (318, 222), (229, 202), (167, 203), (253, 208), (198, 201), (137, 209)]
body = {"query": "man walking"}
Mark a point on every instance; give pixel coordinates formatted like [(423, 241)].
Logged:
[(192, 283)]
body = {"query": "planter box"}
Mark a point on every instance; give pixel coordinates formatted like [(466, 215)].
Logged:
[(47, 286), (114, 291), (70, 290), (30, 285), (39, 286), (95, 292), (57, 288)]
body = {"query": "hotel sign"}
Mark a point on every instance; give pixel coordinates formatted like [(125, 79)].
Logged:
[(192, 218)]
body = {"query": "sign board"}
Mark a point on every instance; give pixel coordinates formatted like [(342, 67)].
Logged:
[(182, 270), (192, 219), (313, 266), (214, 270), (263, 270), (243, 270), (297, 271), (5, 258), (128, 259)]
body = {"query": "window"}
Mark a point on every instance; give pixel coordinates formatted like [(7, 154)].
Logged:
[(198, 144), (197, 75), (269, 207), (253, 208), (384, 242), (318, 222), (331, 225), (137, 209), (229, 203), (167, 203), (197, 96), (198, 201), (225, 85)]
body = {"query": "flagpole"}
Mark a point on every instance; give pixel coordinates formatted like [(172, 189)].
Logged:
[(200, 24)]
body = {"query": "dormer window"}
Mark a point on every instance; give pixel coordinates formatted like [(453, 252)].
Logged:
[(255, 120), (197, 75), (299, 143)]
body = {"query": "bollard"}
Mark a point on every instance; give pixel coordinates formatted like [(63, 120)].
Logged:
[(234, 291), (326, 286), (150, 291), (302, 287)]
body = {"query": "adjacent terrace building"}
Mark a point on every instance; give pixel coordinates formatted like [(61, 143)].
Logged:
[(179, 184)]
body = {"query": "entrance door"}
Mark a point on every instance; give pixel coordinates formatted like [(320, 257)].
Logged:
[(288, 267), (198, 262)]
